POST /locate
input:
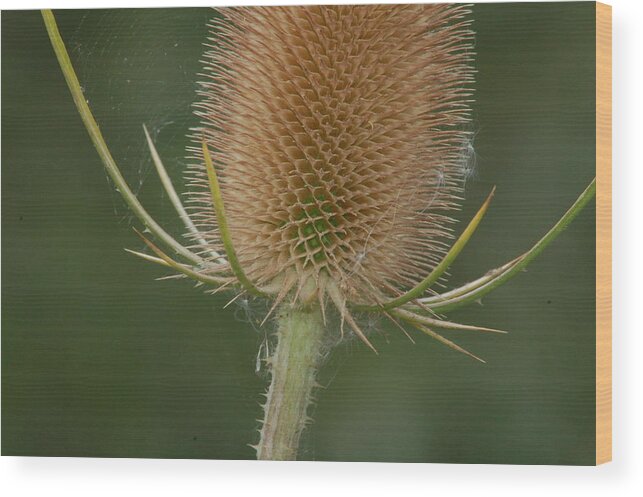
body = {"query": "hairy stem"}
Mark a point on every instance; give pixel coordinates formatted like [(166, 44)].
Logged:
[(294, 366)]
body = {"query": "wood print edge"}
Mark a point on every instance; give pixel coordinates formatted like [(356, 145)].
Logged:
[(603, 233)]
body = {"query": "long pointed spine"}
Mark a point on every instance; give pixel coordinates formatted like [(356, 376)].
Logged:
[(101, 147), (222, 222), (440, 269), (523, 261)]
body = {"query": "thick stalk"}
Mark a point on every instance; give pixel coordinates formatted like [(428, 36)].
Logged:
[(293, 367)]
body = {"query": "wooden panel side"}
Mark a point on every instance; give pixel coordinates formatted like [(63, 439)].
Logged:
[(603, 233)]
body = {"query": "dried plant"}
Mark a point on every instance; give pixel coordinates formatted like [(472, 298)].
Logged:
[(331, 156), (338, 136)]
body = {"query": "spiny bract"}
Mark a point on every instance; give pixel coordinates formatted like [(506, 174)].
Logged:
[(340, 135)]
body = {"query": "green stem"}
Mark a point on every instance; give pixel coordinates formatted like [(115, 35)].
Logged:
[(293, 366)]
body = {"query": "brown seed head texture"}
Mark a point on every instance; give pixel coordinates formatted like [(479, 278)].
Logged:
[(339, 135)]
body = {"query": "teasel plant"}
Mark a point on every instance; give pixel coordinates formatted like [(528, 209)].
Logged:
[(330, 160)]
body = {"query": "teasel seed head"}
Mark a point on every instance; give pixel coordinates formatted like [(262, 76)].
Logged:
[(338, 134)]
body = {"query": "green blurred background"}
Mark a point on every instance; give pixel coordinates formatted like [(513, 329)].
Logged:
[(99, 359)]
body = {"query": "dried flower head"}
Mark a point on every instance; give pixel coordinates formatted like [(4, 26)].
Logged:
[(338, 135)]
